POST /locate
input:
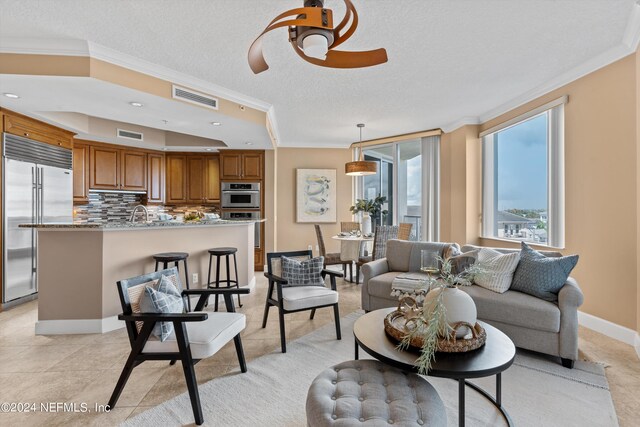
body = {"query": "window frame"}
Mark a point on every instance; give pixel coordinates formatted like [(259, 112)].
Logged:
[(555, 174)]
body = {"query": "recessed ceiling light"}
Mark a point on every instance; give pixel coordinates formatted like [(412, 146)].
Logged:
[(208, 149), (216, 123), (165, 149), (11, 95), (249, 143), (135, 104)]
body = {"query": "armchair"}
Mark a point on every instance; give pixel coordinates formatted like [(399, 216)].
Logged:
[(291, 299), (196, 335)]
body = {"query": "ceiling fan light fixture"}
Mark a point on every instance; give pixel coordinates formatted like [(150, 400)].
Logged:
[(361, 167), (315, 46)]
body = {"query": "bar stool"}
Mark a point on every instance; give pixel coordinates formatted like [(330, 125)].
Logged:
[(167, 257), (223, 252)]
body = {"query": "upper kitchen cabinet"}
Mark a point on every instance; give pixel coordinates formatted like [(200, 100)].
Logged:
[(176, 178), (155, 178), (104, 168), (193, 179), (80, 175), (133, 170), (242, 165), (26, 127)]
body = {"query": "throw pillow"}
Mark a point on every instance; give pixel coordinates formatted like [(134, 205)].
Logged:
[(498, 269), (462, 261), (165, 298), (303, 273), (542, 276)]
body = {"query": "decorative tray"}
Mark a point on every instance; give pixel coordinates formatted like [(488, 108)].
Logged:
[(395, 327)]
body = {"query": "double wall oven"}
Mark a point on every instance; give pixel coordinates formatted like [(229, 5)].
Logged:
[(241, 201)]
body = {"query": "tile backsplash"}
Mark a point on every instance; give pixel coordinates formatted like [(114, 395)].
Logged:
[(117, 207)]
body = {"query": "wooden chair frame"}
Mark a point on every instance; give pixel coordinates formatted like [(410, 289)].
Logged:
[(139, 339), (277, 282)]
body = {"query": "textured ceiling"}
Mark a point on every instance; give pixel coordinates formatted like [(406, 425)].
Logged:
[(447, 59)]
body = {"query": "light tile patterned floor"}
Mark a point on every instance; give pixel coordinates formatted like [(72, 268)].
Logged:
[(84, 368)]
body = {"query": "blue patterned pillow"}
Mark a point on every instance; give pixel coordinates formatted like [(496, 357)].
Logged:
[(540, 275), (165, 298), (303, 273)]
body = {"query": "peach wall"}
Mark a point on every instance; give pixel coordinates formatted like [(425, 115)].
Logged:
[(294, 236), (601, 192)]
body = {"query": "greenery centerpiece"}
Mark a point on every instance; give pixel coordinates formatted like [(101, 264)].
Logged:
[(373, 207), (429, 323)]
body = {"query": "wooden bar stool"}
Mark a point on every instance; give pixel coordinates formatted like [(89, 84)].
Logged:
[(175, 257), (223, 252)]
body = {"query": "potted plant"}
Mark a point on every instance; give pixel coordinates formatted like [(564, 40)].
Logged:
[(444, 305), (372, 211)]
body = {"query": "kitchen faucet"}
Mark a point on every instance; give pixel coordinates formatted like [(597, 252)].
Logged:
[(133, 214)]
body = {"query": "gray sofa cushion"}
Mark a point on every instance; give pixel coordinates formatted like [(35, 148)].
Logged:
[(515, 308), (403, 255), (380, 286)]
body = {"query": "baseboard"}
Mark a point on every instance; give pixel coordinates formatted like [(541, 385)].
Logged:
[(78, 326), (610, 329), (251, 285), (636, 345)]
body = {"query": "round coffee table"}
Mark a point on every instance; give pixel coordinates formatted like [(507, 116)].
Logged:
[(491, 359)]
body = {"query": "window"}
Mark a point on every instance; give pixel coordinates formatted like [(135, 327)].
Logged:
[(523, 178), (408, 176)]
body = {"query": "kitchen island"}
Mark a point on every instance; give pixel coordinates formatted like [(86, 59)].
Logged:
[(79, 264)]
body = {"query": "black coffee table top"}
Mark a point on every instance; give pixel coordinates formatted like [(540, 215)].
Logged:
[(492, 358)]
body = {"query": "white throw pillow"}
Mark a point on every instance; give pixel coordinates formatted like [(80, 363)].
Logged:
[(498, 269)]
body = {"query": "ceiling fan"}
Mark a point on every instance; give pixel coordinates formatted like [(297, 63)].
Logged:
[(314, 38)]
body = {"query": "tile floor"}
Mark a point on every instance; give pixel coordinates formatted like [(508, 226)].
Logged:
[(84, 368)]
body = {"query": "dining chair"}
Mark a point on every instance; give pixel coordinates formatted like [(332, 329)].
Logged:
[(291, 299), (332, 258), (349, 226), (404, 230), (380, 237), (196, 335)]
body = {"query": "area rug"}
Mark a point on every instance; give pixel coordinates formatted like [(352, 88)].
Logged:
[(536, 391)]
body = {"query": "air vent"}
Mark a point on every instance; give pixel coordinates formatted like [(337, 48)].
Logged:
[(188, 95), (129, 134)]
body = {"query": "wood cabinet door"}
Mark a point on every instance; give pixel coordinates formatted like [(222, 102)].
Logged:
[(195, 179), (80, 173), (155, 178), (104, 168), (176, 177), (133, 165), (252, 166), (212, 179), (231, 165)]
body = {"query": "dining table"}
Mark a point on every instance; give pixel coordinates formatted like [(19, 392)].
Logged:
[(352, 246)]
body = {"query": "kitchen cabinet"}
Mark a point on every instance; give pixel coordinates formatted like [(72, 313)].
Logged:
[(193, 179), (24, 126), (242, 165), (80, 173), (155, 178), (212, 179), (104, 168), (176, 178), (134, 170), (112, 168)]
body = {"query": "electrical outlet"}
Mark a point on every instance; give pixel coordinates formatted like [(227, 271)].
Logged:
[(194, 278)]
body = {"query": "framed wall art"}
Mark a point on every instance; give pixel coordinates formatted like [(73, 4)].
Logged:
[(316, 195)]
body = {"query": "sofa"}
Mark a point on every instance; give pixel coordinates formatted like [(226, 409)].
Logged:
[(530, 322)]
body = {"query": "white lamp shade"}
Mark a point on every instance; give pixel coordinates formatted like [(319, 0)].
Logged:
[(315, 46)]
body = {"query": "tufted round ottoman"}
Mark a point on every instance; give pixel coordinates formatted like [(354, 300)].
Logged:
[(369, 393)]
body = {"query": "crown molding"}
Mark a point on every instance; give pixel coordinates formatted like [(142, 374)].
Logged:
[(459, 123), (632, 33), (73, 47), (273, 124)]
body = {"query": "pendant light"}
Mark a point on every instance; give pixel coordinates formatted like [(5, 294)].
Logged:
[(361, 167)]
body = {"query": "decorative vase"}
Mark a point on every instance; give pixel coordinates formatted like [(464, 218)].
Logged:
[(366, 223), (459, 307)]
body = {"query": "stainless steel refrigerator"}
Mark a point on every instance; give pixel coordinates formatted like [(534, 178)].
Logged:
[(37, 188)]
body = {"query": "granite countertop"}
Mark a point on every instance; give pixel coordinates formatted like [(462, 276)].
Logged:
[(139, 225)]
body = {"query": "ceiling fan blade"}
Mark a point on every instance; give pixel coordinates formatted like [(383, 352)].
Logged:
[(339, 39), (305, 16), (344, 59)]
